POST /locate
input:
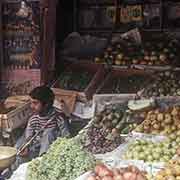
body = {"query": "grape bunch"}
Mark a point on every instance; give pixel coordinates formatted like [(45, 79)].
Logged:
[(99, 140), (65, 160)]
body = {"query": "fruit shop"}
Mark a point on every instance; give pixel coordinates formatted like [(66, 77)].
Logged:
[(116, 64)]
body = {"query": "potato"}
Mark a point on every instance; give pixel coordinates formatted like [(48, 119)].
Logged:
[(174, 111), (157, 126), (153, 117), (159, 177), (168, 118), (160, 117)]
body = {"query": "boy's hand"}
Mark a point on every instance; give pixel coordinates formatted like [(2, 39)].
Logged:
[(24, 153)]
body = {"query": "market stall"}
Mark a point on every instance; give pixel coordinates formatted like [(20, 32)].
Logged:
[(116, 67), (133, 154)]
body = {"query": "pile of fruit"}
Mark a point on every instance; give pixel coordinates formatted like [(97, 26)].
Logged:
[(118, 119), (98, 140), (163, 122), (102, 172), (113, 119), (118, 54), (77, 81), (171, 171), (104, 133), (65, 160), (174, 138), (162, 52), (149, 151), (166, 84)]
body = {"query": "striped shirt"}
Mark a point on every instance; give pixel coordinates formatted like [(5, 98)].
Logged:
[(55, 118)]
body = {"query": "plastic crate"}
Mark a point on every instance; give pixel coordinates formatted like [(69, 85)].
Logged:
[(15, 118)]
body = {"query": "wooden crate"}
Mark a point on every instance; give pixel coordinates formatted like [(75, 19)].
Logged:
[(69, 97), (98, 75), (15, 118), (123, 75)]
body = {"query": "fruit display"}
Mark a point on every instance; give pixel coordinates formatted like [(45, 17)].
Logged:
[(165, 84), (170, 172), (149, 151), (164, 122), (104, 133), (65, 160), (126, 52), (77, 81), (102, 172)]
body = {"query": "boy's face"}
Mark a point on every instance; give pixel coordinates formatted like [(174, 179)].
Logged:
[(36, 105)]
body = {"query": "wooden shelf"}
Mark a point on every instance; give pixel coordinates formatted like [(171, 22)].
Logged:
[(152, 30), (85, 5), (141, 2), (119, 29), (18, 1), (18, 33)]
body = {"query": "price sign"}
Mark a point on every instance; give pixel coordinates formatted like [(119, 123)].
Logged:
[(111, 13), (131, 13)]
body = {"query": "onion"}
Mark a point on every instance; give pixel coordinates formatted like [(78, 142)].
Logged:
[(127, 175), (101, 170), (133, 176), (115, 171), (105, 172), (140, 177), (91, 177), (134, 169), (98, 168), (122, 171), (118, 177), (98, 178), (107, 178)]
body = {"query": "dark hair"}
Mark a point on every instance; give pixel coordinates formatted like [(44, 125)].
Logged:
[(44, 94)]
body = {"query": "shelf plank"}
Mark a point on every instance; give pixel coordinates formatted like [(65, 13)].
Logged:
[(18, 1), (105, 4)]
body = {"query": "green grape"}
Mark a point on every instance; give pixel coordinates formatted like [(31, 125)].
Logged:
[(65, 160)]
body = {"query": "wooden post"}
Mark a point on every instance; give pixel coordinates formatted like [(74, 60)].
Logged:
[(48, 24), (1, 41)]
